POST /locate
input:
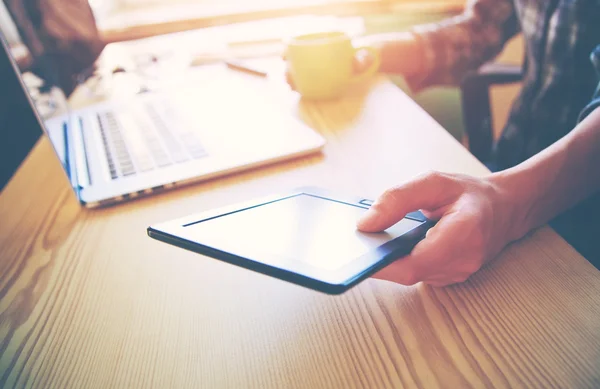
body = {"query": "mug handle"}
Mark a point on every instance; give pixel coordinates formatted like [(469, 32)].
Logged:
[(372, 69)]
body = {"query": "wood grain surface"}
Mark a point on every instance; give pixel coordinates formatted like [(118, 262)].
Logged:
[(87, 300)]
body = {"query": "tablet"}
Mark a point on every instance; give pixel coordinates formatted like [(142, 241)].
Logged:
[(307, 237)]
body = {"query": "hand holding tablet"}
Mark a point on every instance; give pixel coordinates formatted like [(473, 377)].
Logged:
[(308, 237)]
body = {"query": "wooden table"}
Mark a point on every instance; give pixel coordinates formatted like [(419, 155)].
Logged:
[(88, 300)]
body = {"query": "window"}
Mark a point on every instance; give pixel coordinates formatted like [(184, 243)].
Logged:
[(130, 19)]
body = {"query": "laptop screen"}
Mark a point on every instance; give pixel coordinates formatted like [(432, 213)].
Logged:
[(20, 127), (37, 73)]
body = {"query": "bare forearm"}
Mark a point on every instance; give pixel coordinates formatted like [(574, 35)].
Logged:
[(556, 179), (443, 52), (400, 53)]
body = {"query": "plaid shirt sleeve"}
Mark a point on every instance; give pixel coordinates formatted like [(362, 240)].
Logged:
[(595, 103), (463, 43)]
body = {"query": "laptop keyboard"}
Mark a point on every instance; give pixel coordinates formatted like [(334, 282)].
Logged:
[(146, 140)]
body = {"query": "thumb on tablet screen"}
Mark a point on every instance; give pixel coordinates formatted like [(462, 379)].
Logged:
[(429, 192)]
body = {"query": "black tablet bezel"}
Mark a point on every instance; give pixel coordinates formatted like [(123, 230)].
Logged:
[(328, 281)]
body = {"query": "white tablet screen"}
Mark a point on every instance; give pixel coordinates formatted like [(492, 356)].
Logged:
[(317, 231)]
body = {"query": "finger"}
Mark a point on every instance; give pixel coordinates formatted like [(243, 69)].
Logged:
[(423, 263), (404, 271), (439, 249), (289, 80), (436, 214), (431, 191), (362, 61)]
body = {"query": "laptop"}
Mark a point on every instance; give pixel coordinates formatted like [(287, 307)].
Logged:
[(122, 149)]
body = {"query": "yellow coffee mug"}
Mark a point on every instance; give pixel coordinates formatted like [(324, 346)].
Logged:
[(321, 64)]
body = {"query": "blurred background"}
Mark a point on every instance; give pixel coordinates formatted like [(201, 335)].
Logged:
[(258, 29)]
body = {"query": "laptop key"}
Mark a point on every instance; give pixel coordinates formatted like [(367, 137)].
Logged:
[(128, 170), (145, 163), (187, 139), (124, 161), (107, 153), (155, 149), (136, 141), (158, 153), (193, 145), (162, 161), (197, 153), (173, 146)]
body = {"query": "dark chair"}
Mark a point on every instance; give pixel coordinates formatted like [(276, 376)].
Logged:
[(476, 107)]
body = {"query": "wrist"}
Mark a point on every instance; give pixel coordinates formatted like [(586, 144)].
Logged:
[(517, 199)]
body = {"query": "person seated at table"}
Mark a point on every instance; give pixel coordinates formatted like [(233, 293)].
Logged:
[(62, 40), (558, 78), (478, 217), (550, 169)]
